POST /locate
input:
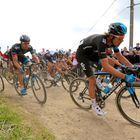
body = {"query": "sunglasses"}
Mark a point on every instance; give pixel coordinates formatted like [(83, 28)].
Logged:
[(120, 38), (26, 43)]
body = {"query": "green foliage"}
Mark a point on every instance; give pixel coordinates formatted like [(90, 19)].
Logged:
[(13, 128)]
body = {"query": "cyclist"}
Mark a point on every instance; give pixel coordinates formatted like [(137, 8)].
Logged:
[(16, 55), (48, 60), (93, 49)]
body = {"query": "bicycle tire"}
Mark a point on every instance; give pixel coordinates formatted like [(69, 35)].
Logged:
[(124, 104), (16, 84), (66, 80), (36, 81), (1, 84), (48, 83), (43, 76), (8, 76), (83, 100), (73, 73)]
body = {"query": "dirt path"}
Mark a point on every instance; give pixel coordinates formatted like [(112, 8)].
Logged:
[(68, 122)]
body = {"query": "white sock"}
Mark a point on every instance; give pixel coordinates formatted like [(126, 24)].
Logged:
[(94, 102)]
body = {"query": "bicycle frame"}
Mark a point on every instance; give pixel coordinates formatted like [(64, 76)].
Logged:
[(128, 86), (37, 85), (127, 99), (113, 89), (118, 83)]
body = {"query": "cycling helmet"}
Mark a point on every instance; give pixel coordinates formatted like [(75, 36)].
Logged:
[(117, 28), (24, 38)]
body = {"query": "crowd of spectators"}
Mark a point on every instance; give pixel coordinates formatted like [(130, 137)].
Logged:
[(132, 55)]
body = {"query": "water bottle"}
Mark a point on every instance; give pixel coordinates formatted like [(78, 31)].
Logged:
[(106, 86), (98, 83), (107, 79)]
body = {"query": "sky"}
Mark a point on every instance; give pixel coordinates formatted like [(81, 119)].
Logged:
[(56, 24)]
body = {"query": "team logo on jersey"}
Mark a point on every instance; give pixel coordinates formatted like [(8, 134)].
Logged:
[(87, 47), (83, 66), (103, 52), (104, 40)]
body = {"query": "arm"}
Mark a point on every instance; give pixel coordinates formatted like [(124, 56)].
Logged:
[(35, 58), (107, 67), (15, 61)]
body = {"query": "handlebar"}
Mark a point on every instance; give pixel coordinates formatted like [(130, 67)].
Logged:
[(32, 66), (129, 70)]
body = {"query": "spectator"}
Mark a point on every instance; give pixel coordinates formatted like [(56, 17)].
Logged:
[(43, 52), (68, 53), (125, 52), (137, 47)]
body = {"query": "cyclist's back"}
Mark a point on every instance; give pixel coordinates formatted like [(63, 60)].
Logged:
[(93, 47), (17, 50)]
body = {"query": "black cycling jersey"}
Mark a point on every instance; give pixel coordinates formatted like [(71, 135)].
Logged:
[(17, 50), (48, 57), (94, 46), (92, 49)]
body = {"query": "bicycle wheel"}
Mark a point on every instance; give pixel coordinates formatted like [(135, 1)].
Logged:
[(43, 76), (48, 83), (66, 80), (16, 84), (1, 84), (79, 93), (74, 74), (8, 75), (127, 107), (38, 89)]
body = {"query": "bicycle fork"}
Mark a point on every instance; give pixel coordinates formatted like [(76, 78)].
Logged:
[(133, 95)]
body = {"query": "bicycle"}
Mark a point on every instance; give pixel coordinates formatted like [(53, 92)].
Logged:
[(7, 71), (33, 81), (126, 106), (64, 77)]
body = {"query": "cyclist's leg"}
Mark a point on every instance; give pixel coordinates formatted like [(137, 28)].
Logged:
[(50, 67), (50, 70), (11, 67), (19, 75), (89, 71), (22, 60), (27, 62)]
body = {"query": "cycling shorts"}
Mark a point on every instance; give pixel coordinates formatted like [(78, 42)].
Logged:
[(88, 66)]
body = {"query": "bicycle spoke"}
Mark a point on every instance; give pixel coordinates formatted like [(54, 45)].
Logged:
[(66, 80), (38, 89), (79, 93)]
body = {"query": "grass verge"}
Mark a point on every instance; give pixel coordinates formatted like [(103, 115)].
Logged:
[(14, 127)]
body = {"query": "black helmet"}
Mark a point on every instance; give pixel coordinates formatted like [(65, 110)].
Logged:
[(117, 28), (24, 38)]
